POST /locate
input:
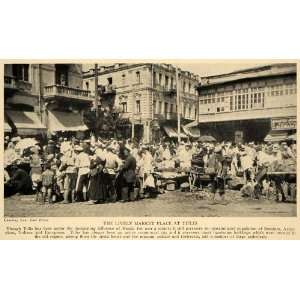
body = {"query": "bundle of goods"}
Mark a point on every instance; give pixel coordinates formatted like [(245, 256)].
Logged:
[(286, 166)]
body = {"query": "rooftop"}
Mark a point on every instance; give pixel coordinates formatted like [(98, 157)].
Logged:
[(106, 69), (249, 73)]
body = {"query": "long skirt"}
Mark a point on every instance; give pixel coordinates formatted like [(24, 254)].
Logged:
[(98, 188)]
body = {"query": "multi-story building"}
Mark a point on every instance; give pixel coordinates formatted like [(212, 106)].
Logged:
[(145, 95), (254, 104), (44, 98)]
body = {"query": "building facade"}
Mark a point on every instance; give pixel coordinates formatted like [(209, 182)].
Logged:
[(255, 104), (44, 98), (145, 95)]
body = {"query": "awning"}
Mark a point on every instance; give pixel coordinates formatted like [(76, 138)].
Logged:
[(276, 136), (7, 128), (292, 137), (172, 132), (26, 122), (65, 121), (193, 132)]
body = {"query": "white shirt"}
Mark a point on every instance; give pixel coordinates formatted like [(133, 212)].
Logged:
[(166, 154), (112, 161), (246, 162), (83, 163), (100, 153)]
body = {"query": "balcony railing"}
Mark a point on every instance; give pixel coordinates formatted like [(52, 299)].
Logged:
[(166, 90), (171, 116), (9, 82), (159, 116), (170, 91), (107, 89), (125, 115), (66, 92)]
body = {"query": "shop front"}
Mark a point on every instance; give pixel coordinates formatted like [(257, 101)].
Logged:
[(66, 123), (24, 123), (282, 129), (254, 130)]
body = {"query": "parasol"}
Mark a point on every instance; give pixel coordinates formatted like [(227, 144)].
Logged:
[(206, 139), (26, 143)]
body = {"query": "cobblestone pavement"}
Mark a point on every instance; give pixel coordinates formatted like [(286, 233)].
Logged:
[(170, 204)]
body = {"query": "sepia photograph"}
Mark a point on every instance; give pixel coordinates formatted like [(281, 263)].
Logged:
[(150, 139)]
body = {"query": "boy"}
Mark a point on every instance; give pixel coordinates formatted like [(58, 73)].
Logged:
[(47, 183)]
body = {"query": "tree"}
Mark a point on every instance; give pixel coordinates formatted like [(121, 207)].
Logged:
[(105, 125)]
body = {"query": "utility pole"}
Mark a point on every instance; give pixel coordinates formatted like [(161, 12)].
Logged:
[(178, 106), (96, 91), (40, 90)]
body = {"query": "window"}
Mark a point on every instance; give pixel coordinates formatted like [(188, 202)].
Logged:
[(189, 87), (123, 79), (138, 77), (239, 102), (218, 109), (138, 106), (190, 112), (124, 107), (61, 74), (171, 108), (159, 78), (109, 80), (231, 103), (172, 82), (166, 107), (183, 87), (166, 81), (154, 106), (243, 101), (87, 85), (160, 107), (20, 72), (154, 78)]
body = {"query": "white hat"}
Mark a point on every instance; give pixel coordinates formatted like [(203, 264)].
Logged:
[(78, 148), (16, 139)]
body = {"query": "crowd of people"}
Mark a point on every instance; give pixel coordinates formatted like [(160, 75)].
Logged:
[(98, 171)]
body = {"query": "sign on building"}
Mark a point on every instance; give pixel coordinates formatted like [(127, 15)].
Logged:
[(284, 123)]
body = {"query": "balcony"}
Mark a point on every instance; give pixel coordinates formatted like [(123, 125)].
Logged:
[(171, 116), (170, 91), (10, 86), (107, 90), (159, 117), (66, 93), (10, 82), (125, 115)]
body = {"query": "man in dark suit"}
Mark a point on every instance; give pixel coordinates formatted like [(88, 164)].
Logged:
[(127, 176)]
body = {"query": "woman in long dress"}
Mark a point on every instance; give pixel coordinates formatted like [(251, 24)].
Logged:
[(97, 184)]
